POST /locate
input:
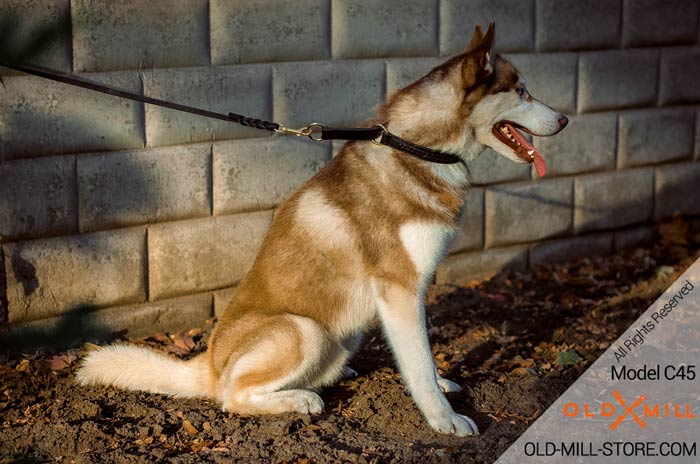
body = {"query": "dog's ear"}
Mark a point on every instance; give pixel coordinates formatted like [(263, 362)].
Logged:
[(477, 67), (477, 37)]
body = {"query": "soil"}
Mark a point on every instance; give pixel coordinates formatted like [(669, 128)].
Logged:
[(515, 343)]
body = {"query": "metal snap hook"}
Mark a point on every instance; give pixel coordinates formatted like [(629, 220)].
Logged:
[(312, 131), (378, 139)]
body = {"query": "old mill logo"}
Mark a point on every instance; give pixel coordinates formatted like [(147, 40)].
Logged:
[(639, 410)]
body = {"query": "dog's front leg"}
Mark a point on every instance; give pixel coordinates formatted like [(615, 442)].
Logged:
[(403, 316)]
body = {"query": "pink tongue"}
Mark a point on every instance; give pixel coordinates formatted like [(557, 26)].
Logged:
[(540, 166)]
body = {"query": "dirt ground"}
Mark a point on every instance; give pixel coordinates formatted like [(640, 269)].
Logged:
[(515, 343)]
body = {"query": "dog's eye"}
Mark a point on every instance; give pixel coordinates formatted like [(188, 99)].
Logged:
[(520, 90)]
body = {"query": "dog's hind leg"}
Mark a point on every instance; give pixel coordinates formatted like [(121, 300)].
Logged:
[(337, 355), (276, 369)]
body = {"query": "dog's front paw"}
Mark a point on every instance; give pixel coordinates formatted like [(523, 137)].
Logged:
[(448, 386), (453, 423)]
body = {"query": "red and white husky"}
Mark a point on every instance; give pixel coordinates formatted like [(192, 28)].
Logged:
[(358, 242)]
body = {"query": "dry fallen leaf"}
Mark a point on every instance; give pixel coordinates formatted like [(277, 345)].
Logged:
[(194, 332), (674, 232), (161, 338), (62, 361), (523, 371), (189, 428), (180, 343), (144, 441), (198, 444), (22, 366), (58, 363), (87, 346), (518, 360)]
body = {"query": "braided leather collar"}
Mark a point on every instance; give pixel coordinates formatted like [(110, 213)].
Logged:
[(378, 134)]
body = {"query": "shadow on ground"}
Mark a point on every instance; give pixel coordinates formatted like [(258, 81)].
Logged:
[(515, 343)]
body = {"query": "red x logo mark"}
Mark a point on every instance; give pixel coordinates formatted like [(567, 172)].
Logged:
[(628, 410)]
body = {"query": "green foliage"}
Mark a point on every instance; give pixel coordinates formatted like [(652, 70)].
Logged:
[(568, 358)]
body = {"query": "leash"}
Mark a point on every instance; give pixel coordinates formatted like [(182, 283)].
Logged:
[(317, 132)]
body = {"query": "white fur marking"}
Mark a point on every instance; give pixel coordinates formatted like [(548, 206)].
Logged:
[(413, 111), (327, 224), (426, 243), (359, 312), (138, 368)]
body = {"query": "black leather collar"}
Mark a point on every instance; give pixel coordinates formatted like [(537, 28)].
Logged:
[(379, 134)]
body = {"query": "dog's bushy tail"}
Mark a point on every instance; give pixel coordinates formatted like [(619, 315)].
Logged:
[(139, 368)]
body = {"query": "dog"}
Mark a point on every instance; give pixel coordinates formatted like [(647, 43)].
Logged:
[(358, 243)]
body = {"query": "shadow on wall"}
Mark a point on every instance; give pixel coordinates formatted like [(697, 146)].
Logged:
[(49, 267), (53, 266), (73, 328), (13, 49)]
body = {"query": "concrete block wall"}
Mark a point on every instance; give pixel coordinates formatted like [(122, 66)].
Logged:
[(117, 216)]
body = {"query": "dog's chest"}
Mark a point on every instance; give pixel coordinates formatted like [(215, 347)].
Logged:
[(425, 243)]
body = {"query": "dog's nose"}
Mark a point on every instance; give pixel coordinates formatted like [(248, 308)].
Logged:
[(563, 121)]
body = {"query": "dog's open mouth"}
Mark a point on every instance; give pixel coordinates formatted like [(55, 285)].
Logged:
[(507, 132)]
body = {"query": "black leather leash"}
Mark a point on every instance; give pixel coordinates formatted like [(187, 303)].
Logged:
[(316, 131)]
